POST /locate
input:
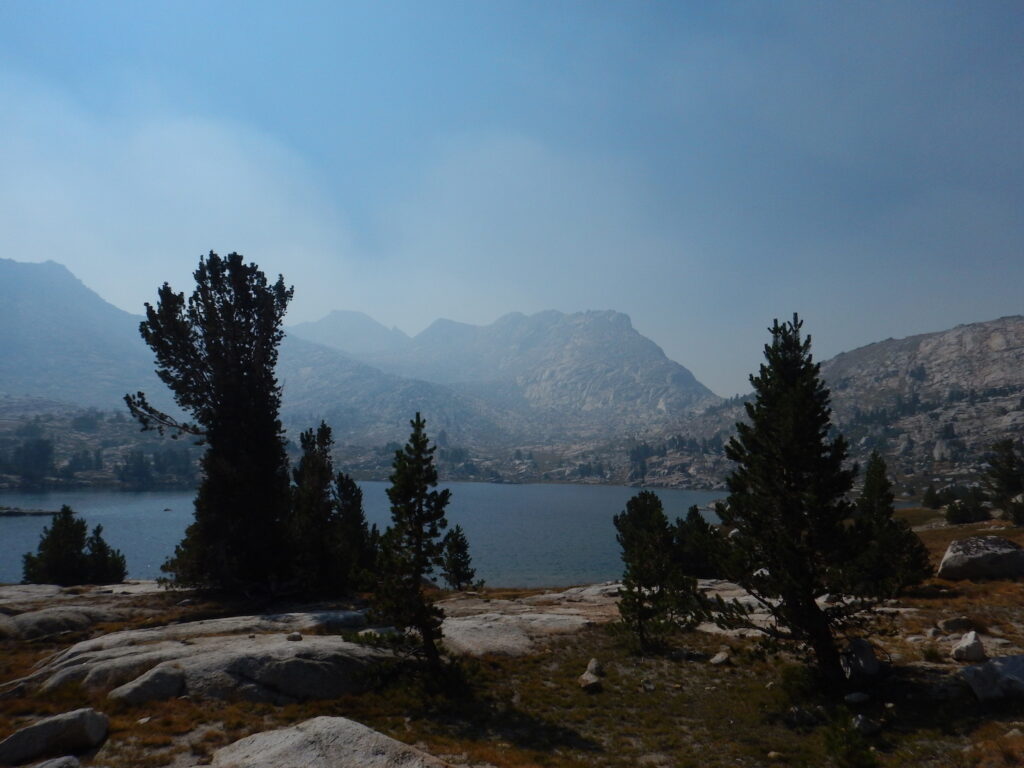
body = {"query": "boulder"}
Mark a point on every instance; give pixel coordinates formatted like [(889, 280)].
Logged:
[(997, 679), (969, 648), (859, 661), (323, 742), (720, 658), (982, 557), (68, 761), (590, 682), (68, 733), (159, 684)]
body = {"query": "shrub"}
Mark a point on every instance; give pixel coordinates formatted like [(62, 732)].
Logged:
[(67, 556)]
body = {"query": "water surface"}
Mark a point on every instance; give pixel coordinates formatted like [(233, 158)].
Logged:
[(519, 535)]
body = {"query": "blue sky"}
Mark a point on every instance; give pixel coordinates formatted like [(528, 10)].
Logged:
[(703, 167)]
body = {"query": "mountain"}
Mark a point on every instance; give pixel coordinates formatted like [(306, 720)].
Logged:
[(354, 333), (938, 397), (560, 374), (60, 340)]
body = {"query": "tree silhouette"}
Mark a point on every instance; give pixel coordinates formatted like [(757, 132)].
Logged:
[(217, 352)]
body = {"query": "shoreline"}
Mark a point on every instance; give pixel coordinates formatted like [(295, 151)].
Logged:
[(19, 512)]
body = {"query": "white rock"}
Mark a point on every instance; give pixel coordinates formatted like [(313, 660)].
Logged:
[(323, 742), (67, 733), (590, 682), (969, 648)]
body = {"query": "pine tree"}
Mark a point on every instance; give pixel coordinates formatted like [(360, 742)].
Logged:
[(698, 547), (655, 593), (931, 498), (1004, 479), (217, 353), (787, 500), (887, 555), (313, 523), (104, 565), (67, 557), (411, 548), (360, 543), (456, 564)]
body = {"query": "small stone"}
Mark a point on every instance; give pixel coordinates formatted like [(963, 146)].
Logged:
[(143, 720), (648, 685), (865, 725), (293, 636), (932, 632), (857, 697), (775, 756), (186, 602), (1013, 733), (722, 657), (590, 682), (595, 668)]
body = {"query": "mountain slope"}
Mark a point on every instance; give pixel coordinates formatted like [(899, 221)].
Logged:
[(577, 374), (354, 333), (60, 340), (944, 396)]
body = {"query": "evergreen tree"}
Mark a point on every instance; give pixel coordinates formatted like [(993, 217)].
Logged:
[(1004, 479), (655, 593), (411, 547), (313, 524), (360, 542), (66, 557), (456, 564), (887, 555), (787, 501), (698, 547), (105, 565), (931, 498), (217, 353)]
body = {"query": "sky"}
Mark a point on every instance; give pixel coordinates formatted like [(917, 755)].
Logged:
[(702, 167)]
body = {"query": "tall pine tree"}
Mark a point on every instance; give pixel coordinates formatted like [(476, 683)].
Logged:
[(217, 352), (787, 500), (412, 547)]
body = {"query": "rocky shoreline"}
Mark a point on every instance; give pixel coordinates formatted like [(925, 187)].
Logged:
[(20, 512)]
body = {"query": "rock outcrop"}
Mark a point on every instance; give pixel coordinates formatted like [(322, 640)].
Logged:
[(246, 657), (68, 733), (323, 742), (982, 557)]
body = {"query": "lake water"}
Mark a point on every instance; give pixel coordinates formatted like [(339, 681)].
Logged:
[(519, 535)]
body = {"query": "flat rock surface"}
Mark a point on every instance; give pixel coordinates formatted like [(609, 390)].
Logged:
[(323, 742), (245, 656)]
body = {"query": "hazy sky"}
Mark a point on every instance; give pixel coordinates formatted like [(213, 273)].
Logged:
[(703, 167)]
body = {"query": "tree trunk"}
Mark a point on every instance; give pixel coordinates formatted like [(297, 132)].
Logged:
[(823, 644)]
